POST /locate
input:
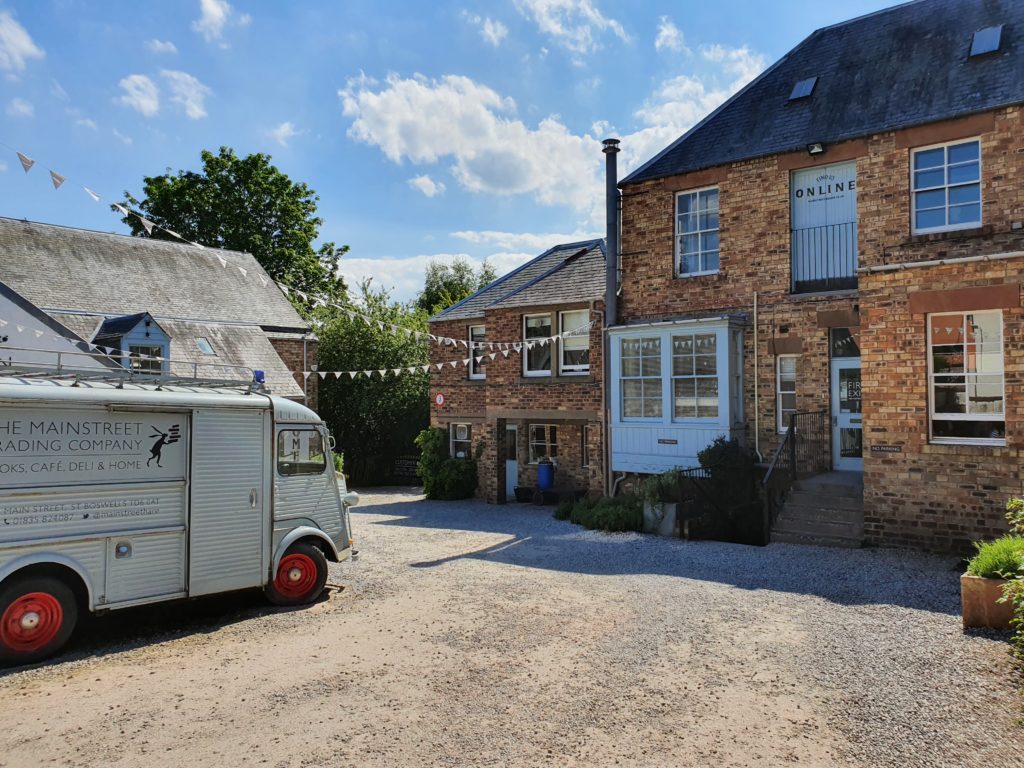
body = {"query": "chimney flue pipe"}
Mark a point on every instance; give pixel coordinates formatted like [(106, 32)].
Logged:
[(611, 285)]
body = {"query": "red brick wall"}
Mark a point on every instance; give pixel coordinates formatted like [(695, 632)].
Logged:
[(291, 352), (506, 396), (930, 496)]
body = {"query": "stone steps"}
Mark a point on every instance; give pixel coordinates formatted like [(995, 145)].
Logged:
[(825, 511)]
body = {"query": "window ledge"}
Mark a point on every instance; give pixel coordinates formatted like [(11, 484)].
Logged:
[(819, 295), (692, 275), (931, 236), (584, 379)]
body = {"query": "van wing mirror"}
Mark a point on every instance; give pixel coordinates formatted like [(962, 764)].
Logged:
[(350, 499)]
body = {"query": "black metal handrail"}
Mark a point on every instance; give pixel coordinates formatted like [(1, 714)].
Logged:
[(824, 258), (805, 449)]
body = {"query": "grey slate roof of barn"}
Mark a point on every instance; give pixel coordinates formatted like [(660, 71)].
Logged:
[(564, 274), (892, 69), (60, 269)]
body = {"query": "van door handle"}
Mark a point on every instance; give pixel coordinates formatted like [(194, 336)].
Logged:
[(253, 498)]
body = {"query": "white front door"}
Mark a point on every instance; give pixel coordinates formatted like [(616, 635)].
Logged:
[(511, 462), (847, 435)]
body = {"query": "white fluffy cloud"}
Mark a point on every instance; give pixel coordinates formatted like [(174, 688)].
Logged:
[(403, 277), (427, 185), (161, 46), (20, 108), (126, 140), (87, 122), (669, 38), (187, 92), (284, 133), (491, 31), (458, 120), (214, 16), (141, 94), (533, 242), (16, 45), (576, 25)]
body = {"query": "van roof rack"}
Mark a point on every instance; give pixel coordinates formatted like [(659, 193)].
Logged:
[(67, 365)]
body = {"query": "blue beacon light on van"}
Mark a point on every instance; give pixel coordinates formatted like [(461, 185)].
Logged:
[(259, 377)]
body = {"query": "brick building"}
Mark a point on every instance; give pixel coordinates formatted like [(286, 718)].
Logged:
[(526, 403), (843, 237)]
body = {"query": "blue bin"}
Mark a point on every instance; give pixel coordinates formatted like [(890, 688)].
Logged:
[(545, 475)]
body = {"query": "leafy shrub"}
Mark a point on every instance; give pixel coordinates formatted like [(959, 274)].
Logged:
[(665, 488), (564, 510), (339, 462), (1014, 589), (623, 513), (444, 477), (999, 559), (733, 472)]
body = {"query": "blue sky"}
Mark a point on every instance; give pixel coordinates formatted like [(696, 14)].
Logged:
[(427, 129)]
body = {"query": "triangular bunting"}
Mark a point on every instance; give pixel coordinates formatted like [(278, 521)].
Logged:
[(352, 374), (123, 211), (26, 161), (91, 194), (244, 271)]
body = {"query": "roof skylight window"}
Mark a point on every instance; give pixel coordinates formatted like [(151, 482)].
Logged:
[(803, 89), (205, 346), (986, 40)]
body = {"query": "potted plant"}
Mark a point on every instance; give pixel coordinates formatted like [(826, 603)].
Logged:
[(993, 567), (661, 503)]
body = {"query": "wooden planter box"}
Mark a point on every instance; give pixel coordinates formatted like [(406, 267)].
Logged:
[(980, 608)]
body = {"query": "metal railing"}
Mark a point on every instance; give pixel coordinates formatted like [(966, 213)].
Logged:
[(805, 449), (824, 258)]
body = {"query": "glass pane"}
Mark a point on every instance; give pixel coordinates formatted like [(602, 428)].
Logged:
[(652, 409), (707, 386), (631, 366), (843, 343), (709, 241), (690, 243), (950, 398), (706, 343), (965, 214), (967, 194), (632, 407), (684, 393), (984, 358), (934, 199), (929, 219), (958, 174), (689, 263), (849, 390), (682, 345), (705, 364), (538, 327), (709, 220), (850, 443), (985, 394), (539, 358), (682, 365), (510, 443), (685, 203), (925, 179), (711, 261), (709, 200), (787, 369), (788, 401), (929, 158), (574, 321), (688, 223), (960, 153), (987, 430), (576, 356), (632, 388), (947, 360), (652, 398), (984, 328)]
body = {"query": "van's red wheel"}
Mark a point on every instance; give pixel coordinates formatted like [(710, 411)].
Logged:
[(300, 576), (37, 616)]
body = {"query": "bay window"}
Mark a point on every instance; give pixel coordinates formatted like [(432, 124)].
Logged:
[(965, 371), (640, 375), (695, 376), (946, 187), (461, 441), (575, 345), (697, 232), (537, 359)]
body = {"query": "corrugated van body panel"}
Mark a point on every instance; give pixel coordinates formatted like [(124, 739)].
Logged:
[(88, 555), (153, 566), (89, 511), (228, 517), (308, 496)]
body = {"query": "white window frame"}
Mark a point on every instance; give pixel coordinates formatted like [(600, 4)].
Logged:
[(661, 377), (677, 251), (780, 412), (137, 363), (545, 372), (549, 431), (565, 369), (476, 370), (933, 416), (695, 377), (946, 187), (585, 445), (453, 439)]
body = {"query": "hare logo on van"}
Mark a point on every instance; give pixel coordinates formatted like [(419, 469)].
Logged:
[(172, 435)]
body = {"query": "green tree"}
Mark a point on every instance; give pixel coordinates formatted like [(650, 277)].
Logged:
[(244, 204), (447, 284), (373, 420)]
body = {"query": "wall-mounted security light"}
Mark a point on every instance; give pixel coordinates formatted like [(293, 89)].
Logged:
[(815, 148)]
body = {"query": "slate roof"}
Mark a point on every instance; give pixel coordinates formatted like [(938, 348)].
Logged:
[(65, 269), (119, 326), (893, 69), (564, 274)]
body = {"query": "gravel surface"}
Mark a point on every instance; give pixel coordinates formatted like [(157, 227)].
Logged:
[(470, 634)]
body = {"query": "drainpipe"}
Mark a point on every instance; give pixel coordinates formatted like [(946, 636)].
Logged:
[(757, 402), (305, 367), (611, 287)]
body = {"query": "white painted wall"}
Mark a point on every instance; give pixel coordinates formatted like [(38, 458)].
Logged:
[(24, 329)]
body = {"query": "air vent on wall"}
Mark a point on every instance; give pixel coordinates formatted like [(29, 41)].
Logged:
[(986, 40), (803, 89)]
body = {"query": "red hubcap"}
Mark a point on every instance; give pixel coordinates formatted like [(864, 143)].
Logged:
[(296, 576), (31, 622)]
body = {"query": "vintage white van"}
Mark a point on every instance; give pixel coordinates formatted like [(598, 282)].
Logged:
[(118, 493)]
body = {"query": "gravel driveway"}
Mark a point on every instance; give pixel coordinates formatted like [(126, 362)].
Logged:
[(471, 634)]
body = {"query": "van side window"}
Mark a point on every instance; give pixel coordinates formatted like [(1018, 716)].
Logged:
[(300, 452)]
